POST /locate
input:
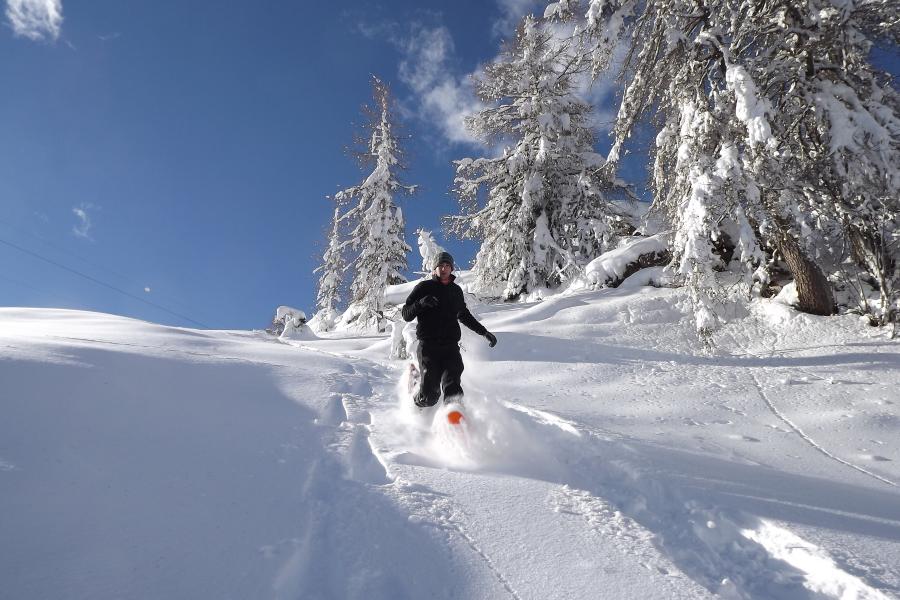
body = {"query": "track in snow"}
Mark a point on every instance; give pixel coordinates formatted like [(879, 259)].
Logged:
[(796, 429)]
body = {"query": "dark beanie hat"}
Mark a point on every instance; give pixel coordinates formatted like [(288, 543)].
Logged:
[(443, 257)]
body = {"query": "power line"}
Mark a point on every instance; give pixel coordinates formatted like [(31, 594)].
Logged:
[(69, 254), (102, 283)]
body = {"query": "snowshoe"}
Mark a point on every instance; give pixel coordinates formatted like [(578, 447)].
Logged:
[(455, 415)]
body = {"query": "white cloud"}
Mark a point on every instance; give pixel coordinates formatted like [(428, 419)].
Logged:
[(378, 30), (601, 92), (426, 52), (84, 225), (512, 12), (35, 19), (444, 97)]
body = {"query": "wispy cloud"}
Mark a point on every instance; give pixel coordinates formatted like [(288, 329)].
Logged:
[(444, 96), (512, 12), (35, 19), (376, 30), (84, 224), (601, 92)]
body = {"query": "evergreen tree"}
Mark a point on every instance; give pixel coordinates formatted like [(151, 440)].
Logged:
[(545, 215), (429, 249), (331, 278), (378, 230), (777, 137)]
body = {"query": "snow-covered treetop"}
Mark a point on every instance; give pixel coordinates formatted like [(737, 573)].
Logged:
[(545, 214), (429, 249), (378, 225)]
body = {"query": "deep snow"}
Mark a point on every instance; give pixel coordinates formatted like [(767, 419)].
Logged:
[(609, 456)]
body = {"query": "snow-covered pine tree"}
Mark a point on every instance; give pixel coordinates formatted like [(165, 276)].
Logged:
[(776, 133), (429, 249), (332, 274), (378, 227), (545, 215)]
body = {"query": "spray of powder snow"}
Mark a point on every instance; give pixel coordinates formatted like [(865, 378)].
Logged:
[(491, 437)]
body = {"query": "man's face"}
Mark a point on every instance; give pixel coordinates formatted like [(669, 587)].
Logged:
[(443, 270)]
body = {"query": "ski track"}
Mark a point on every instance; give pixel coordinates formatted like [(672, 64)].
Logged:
[(703, 542), (796, 429), (352, 442), (427, 507)]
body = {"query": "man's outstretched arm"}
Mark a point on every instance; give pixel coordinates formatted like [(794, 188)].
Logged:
[(465, 317)]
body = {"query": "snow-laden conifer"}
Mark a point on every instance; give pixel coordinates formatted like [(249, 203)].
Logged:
[(377, 235), (429, 249), (545, 215), (331, 276), (779, 142)]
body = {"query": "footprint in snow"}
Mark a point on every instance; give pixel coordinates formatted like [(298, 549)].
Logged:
[(800, 381), (745, 438), (334, 412), (875, 457)]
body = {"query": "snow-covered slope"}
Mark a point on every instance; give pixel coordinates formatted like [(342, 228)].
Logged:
[(608, 456)]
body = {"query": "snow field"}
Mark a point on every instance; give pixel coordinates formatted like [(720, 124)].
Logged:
[(608, 455)]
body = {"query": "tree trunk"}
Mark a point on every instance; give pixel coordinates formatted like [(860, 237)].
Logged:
[(813, 290), (869, 253), (651, 259)]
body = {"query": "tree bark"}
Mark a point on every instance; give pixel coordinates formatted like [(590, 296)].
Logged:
[(813, 290), (651, 259)]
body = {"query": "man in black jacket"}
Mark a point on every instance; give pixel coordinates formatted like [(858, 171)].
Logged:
[(439, 305)]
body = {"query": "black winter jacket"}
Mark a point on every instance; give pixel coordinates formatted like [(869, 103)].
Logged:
[(441, 323)]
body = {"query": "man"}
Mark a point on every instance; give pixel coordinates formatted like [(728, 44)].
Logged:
[(440, 307)]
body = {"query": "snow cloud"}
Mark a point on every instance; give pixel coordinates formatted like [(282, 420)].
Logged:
[(35, 19), (84, 225)]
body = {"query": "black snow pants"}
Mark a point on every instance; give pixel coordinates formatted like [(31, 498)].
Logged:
[(441, 367)]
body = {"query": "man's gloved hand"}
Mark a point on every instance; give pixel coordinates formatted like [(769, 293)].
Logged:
[(491, 338), (428, 302)]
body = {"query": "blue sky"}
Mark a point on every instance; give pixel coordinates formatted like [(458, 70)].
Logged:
[(181, 152), (186, 148)]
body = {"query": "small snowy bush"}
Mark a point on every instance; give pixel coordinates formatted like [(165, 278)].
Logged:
[(290, 323)]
